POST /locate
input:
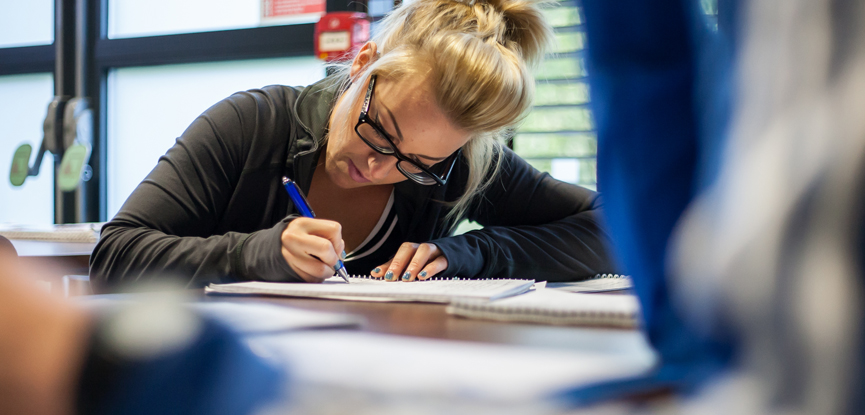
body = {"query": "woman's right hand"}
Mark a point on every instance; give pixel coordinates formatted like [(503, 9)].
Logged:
[(312, 247)]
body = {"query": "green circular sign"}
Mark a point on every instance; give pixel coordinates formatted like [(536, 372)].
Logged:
[(70, 167), (20, 165)]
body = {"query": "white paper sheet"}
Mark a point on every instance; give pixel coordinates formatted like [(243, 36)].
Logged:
[(435, 291)]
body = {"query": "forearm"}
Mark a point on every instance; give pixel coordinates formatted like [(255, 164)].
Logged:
[(570, 249), (127, 253)]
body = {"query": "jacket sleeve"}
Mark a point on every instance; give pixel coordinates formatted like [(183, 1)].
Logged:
[(166, 228), (534, 227)]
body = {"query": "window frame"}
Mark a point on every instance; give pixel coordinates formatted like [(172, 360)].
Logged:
[(82, 55)]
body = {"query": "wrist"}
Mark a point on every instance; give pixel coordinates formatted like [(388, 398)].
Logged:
[(261, 257)]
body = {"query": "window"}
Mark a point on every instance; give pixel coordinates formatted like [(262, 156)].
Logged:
[(558, 136), (133, 18), (26, 88), (26, 23), (23, 103)]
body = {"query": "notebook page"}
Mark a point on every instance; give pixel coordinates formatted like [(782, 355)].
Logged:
[(366, 289)]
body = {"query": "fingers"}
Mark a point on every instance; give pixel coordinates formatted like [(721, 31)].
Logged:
[(412, 261), (436, 266), (424, 254), (327, 229), (312, 247), (400, 260), (308, 269), (380, 270)]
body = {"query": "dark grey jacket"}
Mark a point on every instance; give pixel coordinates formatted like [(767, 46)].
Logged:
[(214, 208)]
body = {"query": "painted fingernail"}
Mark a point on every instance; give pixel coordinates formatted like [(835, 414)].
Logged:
[(406, 276), (388, 275), (342, 255), (422, 274), (336, 267), (377, 270)]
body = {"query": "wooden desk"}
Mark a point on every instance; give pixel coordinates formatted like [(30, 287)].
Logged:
[(337, 371), (59, 259), (324, 382), (431, 321)]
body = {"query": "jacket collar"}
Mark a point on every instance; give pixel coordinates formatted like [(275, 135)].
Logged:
[(312, 108)]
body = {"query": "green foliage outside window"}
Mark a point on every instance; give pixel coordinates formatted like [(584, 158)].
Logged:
[(581, 145), (558, 134), (569, 42), (560, 68), (561, 16), (558, 119), (576, 93)]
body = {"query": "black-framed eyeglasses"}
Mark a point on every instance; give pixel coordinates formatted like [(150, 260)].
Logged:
[(376, 138)]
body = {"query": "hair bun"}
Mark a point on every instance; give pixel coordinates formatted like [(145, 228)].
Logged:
[(521, 26)]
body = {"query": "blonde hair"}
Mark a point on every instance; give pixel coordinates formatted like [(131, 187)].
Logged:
[(476, 56)]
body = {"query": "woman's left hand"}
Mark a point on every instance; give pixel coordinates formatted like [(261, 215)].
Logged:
[(413, 261)]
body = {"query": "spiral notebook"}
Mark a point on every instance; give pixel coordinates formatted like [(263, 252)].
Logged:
[(365, 288), (547, 306)]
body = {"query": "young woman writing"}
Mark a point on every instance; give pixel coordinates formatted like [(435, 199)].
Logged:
[(391, 152)]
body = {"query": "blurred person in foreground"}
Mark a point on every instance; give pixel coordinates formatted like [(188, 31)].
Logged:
[(748, 142), (57, 359)]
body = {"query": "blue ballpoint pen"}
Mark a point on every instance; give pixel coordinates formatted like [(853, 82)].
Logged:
[(302, 206)]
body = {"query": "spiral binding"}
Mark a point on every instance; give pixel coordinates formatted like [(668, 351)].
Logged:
[(599, 276)]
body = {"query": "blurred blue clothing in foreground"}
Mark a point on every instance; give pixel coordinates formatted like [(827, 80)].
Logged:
[(739, 216), (658, 75), (213, 373)]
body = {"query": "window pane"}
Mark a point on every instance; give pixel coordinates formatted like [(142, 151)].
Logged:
[(149, 107), (561, 94), (560, 68), (26, 23), (557, 119), (131, 18), (556, 145), (562, 16), (23, 102), (569, 42), (558, 135)]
